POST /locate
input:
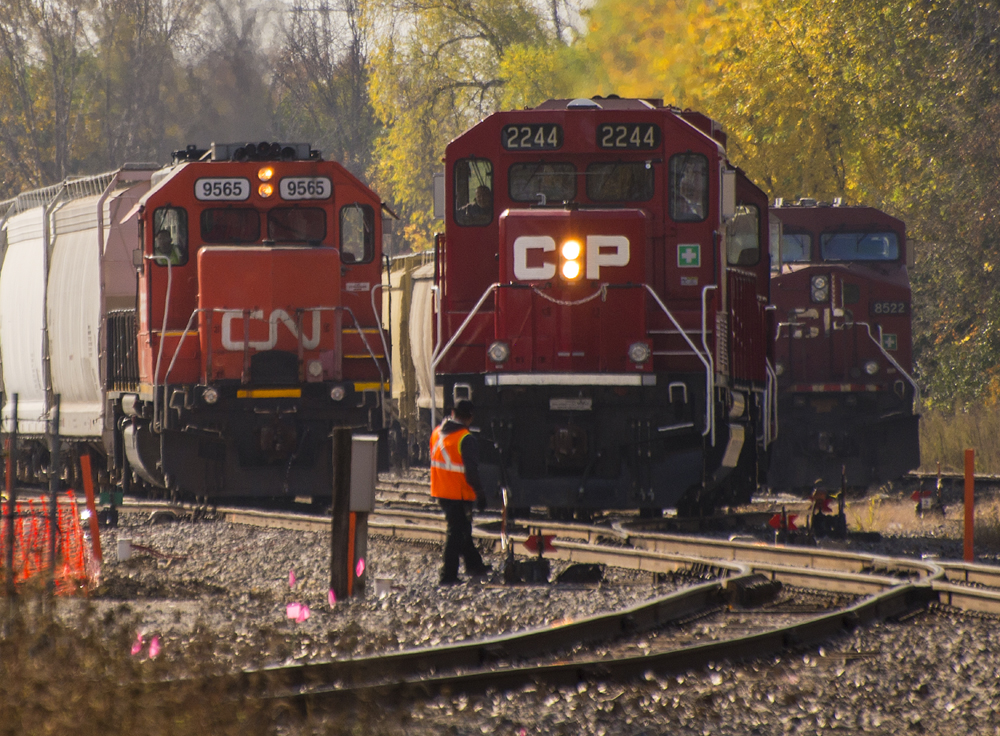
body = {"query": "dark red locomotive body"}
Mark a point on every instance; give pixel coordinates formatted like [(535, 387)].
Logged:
[(603, 284), (255, 331), (843, 349)]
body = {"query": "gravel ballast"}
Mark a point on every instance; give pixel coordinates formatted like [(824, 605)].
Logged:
[(933, 673)]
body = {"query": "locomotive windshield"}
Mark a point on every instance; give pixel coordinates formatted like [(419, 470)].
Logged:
[(620, 181), (859, 246), (688, 187), (743, 236), (555, 181), (796, 247), (296, 224), (230, 225), (473, 192)]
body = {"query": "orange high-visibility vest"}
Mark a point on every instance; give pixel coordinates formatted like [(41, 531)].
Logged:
[(447, 468)]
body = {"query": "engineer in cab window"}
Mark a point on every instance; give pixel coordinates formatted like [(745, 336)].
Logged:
[(163, 245), (480, 210)]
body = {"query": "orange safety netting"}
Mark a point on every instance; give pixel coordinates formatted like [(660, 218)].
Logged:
[(74, 568)]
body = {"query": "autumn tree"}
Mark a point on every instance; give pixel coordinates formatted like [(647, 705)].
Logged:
[(439, 67)]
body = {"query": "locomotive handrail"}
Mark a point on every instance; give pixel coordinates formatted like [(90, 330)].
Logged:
[(163, 332), (385, 344), (897, 366), (705, 360), (770, 404), (437, 355), (198, 310)]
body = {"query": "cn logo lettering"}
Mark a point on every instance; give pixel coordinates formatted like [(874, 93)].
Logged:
[(277, 315), (601, 251)]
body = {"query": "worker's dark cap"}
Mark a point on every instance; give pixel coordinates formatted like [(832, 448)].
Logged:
[(463, 409)]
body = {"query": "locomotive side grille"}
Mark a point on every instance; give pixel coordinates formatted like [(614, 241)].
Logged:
[(123, 358)]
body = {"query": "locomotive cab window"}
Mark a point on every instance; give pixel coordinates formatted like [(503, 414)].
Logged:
[(743, 236), (796, 247), (473, 192), (688, 177), (859, 246), (296, 225), (357, 233), (620, 181), (542, 182), (230, 226), (170, 236)]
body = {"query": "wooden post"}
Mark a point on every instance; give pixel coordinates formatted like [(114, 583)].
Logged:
[(970, 511), (11, 469), (341, 548), (88, 489)]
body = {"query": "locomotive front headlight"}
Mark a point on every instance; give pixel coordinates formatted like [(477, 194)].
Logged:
[(571, 250), (639, 352), (210, 395), (337, 393), (871, 367), (266, 173), (819, 288), (499, 351), (265, 190), (315, 368), (571, 268)]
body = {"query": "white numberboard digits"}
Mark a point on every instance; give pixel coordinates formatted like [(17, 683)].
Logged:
[(305, 187), (227, 190)]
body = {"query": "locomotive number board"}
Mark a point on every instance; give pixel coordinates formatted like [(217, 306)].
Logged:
[(305, 187), (226, 190), (534, 137), (888, 307), (636, 136)]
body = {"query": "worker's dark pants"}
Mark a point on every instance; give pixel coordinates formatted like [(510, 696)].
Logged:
[(458, 542)]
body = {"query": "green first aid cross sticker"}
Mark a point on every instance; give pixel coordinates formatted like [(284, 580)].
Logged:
[(688, 255), (889, 342)]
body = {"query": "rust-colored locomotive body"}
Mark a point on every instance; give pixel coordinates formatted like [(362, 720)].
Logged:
[(207, 323), (603, 284), (843, 349)]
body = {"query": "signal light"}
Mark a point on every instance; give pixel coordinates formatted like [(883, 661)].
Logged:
[(210, 395), (571, 250), (871, 367), (266, 173), (337, 393), (265, 190), (639, 352)]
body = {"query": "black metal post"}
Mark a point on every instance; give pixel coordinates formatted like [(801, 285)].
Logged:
[(340, 525), (54, 470), (10, 468)]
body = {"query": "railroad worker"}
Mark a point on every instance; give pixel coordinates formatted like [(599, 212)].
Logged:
[(480, 210), (163, 245), (455, 484)]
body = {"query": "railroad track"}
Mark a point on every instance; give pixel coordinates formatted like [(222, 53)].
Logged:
[(659, 636)]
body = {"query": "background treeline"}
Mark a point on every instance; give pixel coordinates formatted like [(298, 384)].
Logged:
[(890, 103)]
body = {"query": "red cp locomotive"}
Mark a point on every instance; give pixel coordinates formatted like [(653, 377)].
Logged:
[(603, 284), (206, 324), (843, 348)]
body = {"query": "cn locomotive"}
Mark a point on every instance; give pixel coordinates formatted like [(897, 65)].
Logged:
[(601, 295), (201, 327), (843, 348)]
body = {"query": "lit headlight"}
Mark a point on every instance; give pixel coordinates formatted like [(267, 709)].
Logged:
[(210, 395), (639, 352), (871, 367), (499, 351), (315, 368), (820, 288), (337, 393), (779, 369), (265, 190), (266, 173), (571, 268)]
